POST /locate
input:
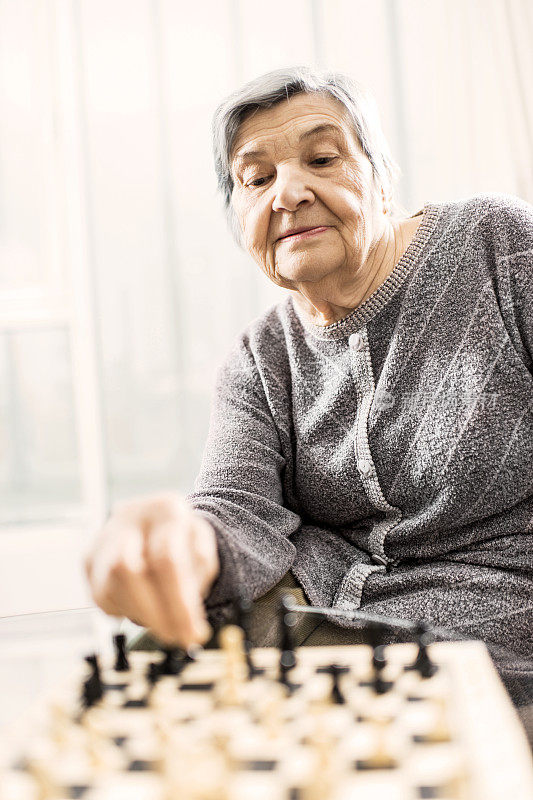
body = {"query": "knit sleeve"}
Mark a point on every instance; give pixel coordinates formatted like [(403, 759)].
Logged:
[(239, 490), (511, 219)]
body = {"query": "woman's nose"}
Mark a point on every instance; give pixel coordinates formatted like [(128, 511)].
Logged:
[(290, 190)]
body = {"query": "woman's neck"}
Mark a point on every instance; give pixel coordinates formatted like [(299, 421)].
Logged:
[(325, 310)]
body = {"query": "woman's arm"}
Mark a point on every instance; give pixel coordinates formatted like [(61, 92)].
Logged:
[(239, 487), (508, 226)]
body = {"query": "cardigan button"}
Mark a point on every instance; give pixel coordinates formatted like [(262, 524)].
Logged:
[(356, 341), (364, 467)]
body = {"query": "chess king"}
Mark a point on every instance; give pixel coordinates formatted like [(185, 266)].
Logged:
[(419, 507)]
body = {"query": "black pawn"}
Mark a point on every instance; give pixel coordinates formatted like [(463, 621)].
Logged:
[(336, 694), (153, 673), (287, 659), (243, 610), (121, 662), (379, 660), (172, 664), (423, 664), (94, 664), (93, 689)]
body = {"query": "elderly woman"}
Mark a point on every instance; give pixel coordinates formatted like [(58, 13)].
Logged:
[(371, 439)]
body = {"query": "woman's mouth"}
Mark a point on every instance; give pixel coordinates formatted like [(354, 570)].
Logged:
[(294, 237)]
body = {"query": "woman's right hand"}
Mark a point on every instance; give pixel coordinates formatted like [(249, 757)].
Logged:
[(154, 561)]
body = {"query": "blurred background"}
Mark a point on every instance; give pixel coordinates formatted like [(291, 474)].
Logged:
[(121, 289)]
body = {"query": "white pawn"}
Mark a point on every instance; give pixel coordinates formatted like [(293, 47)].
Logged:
[(101, 752), (231, 639), (45, 784), (441, 728), (325, 774), (60, 723), (271, 711)]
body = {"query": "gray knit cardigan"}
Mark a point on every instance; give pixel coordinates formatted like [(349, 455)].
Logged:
[(387, 459)]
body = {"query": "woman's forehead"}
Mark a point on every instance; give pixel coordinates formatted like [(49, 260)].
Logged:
[(299, 114)]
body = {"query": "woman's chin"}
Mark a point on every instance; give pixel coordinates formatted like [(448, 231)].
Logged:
[(302, 272)]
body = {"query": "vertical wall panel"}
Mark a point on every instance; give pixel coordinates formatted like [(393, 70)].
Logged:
[(29, 258), (129, 246), (276, 35), (208, 275), (39, 458), (358, 38)]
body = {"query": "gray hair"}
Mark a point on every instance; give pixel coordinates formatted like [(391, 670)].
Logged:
[(273, 87)]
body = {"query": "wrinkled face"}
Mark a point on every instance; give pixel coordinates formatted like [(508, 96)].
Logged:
[(299, 165)]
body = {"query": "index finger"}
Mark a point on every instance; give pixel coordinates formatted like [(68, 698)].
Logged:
[(170, 565)]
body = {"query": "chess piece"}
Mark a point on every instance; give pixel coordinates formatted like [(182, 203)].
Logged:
[(172, 663), (458, 785), (243, 608), (381, 757), (270, 710), (287, 658), (121, 662), (45, 784), (379, 660), (336, 671), (231, 639), (184, 774), (92, 689), (162, 727), (441, 729), (101, 752), (59, 723), (153, 673), (324, 774), (423, 664)]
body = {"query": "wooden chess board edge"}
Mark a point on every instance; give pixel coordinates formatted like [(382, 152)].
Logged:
[(495, 735)]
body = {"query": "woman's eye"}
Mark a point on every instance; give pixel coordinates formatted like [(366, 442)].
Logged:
[(256, 182), (324, 159), (321, 161)]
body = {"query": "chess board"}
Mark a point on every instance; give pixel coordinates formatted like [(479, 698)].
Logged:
[(214, 731)]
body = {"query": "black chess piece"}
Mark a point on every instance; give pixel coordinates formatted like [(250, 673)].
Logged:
[(374, 634), (153, 673), (379, 662), (92, 689), (423, 664), (336, 694), (172, 663), (287, 658), (93, 662), (121, 662), (243, 609)]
